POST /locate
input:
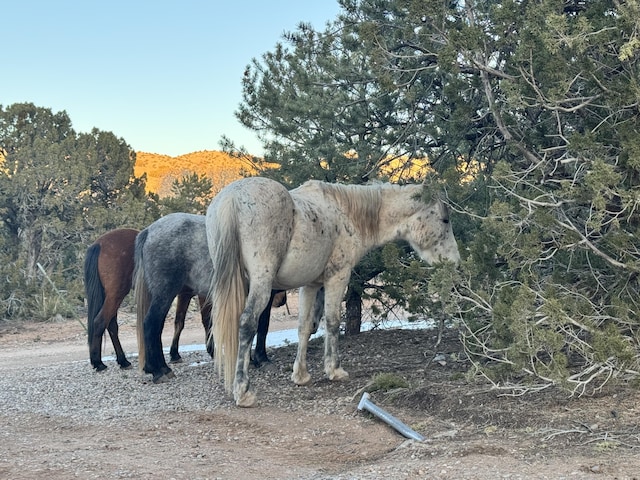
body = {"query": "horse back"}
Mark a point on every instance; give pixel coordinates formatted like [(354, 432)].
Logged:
[(176, 254), (262, 213)]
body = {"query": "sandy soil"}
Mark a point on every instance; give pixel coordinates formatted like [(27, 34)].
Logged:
[(61, 420)]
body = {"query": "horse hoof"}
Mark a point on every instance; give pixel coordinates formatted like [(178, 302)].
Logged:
[(164, 378), (176, 360), (259, 362), (338, 374), (301, 379), (247, 400), (101, 367), (266, 367), (125, 365)]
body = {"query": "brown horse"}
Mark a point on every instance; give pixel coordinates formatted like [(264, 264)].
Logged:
[(108, 268), (108, 272)]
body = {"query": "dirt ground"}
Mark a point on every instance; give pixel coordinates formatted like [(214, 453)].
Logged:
[(61, 420)]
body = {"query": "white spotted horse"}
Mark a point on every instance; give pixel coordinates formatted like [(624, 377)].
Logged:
[(323, 231)]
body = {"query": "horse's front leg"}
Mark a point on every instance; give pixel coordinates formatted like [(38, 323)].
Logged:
[(113, 333), (306, 327), (205, 314), (260, 354)]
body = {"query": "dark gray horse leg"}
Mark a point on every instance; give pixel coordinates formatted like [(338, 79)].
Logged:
[(205, 313), (155, 363), (181, 313), (260, 353)]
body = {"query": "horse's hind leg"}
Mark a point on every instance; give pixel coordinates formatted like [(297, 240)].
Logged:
[(95, 343), (152, 326), (256, 302), (181, 312), (113, 333)]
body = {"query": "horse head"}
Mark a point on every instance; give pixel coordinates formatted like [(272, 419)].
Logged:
[(430, 232)]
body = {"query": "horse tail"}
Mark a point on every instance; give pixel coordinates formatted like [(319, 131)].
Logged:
[(93, 287), (228, 290), (142, 296)]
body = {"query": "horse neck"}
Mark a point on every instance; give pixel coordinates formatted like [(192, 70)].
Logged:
[(379, 213)]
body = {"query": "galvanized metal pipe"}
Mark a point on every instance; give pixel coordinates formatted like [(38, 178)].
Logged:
[(369, 406)]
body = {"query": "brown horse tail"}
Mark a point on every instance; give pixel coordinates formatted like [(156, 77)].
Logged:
[(93, 287), (228, 287), (143, 299)]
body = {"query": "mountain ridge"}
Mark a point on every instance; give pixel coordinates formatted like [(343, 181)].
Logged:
[(162, 170)]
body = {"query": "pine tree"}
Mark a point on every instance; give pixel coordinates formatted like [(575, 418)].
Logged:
[(528, 112), (549, 93)]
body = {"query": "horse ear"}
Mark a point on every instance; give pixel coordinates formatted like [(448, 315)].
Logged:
[(431, 190), (440, 195)]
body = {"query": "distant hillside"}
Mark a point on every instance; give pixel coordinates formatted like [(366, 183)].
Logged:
[(223, 169), (162, 170)]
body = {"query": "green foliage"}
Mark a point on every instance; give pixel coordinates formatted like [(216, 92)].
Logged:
[(58, 191), (386, 382), (528, 113), (326, 109), (190, 194), (423, 291)]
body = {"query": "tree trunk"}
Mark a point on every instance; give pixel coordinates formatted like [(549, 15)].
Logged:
[(32, 245), (353, 311)]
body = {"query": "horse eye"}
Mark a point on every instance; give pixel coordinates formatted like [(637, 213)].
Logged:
[(445, 220)]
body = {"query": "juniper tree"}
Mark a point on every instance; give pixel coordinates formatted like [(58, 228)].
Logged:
[(322, 112), (58, 191), (549, 90), (528, 111)]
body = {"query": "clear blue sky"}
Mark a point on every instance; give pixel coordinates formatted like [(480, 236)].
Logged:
[(163, 75)]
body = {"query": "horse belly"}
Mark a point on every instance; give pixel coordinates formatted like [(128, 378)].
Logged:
[(305, 260), (311, 244), (302, 265)]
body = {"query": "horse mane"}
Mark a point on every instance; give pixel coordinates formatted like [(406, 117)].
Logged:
[(361, 203)]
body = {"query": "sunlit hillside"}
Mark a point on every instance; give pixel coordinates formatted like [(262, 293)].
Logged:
[(222, 168), (162, 170)]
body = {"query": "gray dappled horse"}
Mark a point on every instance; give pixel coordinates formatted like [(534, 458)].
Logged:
[(172, 258), (322, 232)]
